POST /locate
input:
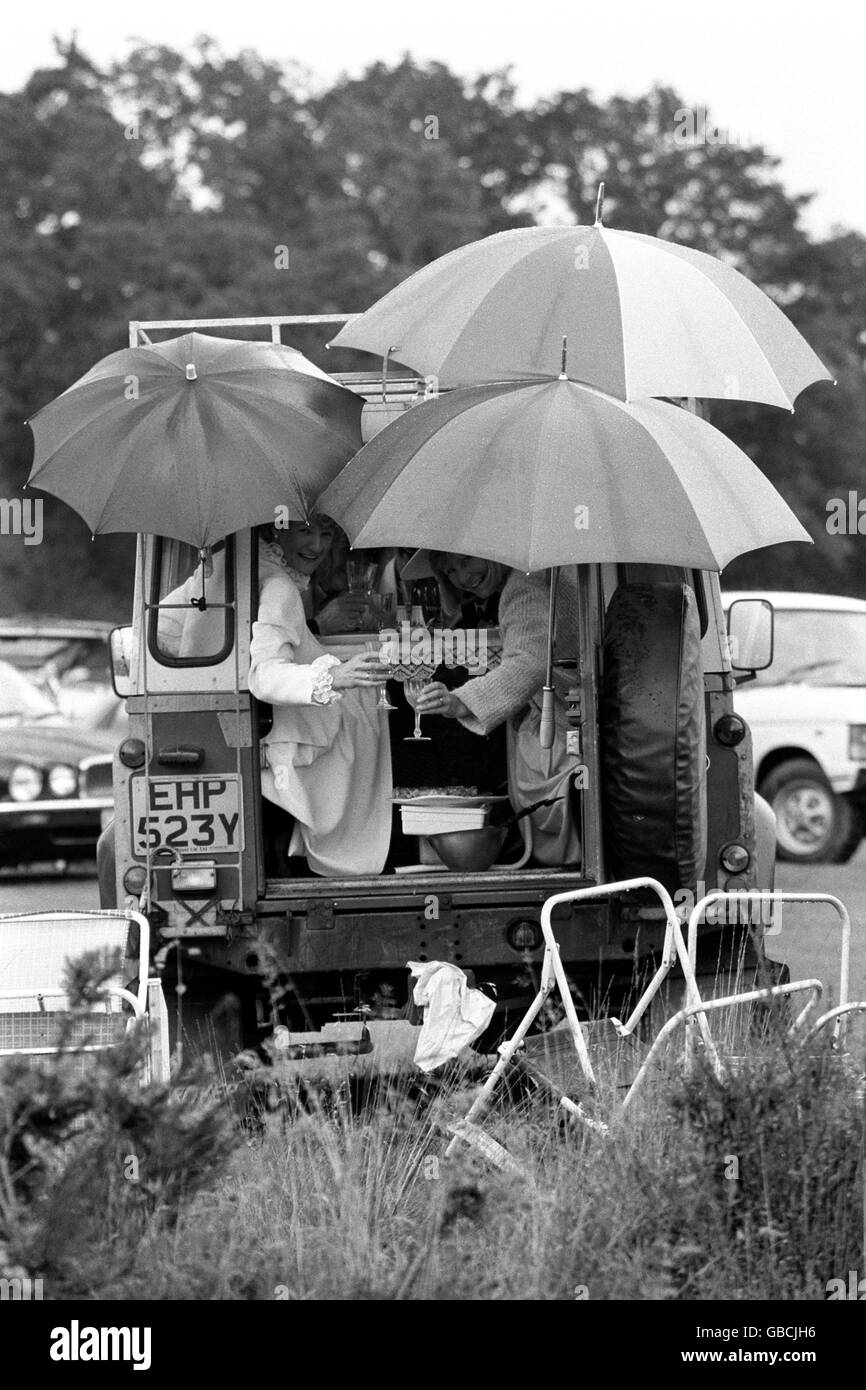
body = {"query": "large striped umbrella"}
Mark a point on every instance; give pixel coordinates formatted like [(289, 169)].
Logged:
[(550, 473), (643, 317)]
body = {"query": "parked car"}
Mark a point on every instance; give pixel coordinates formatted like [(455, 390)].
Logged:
[(807, 714), (55, 773), (66, 658)]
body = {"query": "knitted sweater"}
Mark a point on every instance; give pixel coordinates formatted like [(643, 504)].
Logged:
[(523, 616)]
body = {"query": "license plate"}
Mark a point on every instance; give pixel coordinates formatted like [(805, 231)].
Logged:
[(189, 814)]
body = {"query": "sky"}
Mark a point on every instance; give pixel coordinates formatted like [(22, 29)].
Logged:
[(782, 73)]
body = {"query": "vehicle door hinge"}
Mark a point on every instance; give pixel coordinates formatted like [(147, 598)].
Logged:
[(236, 732), (235, 917), (320, 916)]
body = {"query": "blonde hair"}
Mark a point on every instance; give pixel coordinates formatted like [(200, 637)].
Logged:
[(452, 597)]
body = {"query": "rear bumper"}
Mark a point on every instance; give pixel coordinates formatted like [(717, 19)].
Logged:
[(459, 918)]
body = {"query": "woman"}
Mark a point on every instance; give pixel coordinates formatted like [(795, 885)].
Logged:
[(512, 691), (328, 760)]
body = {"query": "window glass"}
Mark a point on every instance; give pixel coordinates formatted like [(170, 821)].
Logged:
[(194, 623), (817, 647), (69, 658)]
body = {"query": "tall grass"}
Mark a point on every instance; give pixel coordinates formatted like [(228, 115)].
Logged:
[(752, 1189)]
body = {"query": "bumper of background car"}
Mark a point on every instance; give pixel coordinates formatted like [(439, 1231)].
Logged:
[(846, 778), (62, 828), (39, 812)]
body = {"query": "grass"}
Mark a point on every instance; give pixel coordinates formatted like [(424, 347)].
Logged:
[(751, 1190)]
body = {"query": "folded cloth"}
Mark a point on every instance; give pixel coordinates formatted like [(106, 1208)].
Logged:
[(454, 1014)]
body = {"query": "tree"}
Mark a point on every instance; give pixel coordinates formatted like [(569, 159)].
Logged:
[(200, 184)]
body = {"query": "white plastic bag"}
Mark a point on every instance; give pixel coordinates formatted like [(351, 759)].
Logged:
[(454, 1014)]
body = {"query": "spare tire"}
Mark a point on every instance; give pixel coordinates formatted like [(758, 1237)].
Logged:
[(653, 736)]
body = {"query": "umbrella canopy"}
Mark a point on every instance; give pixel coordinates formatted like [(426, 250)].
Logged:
[(541, 474), (195, 438), (643, 317)]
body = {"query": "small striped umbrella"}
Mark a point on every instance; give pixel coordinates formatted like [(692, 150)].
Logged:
[(195, 438)]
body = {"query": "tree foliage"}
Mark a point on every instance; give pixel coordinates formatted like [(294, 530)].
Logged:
[(162, 188)]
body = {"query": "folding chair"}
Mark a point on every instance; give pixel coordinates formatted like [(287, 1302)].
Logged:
[(35, 949), (841, 1012), (695, 1011), (803, 1027), (553, 977)]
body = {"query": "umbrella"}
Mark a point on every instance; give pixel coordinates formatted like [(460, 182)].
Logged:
[(643, 317), (551, 473), (195, 438)]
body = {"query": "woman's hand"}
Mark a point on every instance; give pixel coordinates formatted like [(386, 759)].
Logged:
[(436, 698), (366, 669), (341, 614)]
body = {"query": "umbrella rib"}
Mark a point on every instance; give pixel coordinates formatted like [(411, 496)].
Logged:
[(117, 482), (535, 492), (496, 288), (299, 485), (625, 383)]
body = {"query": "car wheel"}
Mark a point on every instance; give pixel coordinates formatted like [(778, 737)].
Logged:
[(813, 824)]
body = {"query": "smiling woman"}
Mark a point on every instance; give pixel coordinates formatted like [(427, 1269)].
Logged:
[(327, 756)]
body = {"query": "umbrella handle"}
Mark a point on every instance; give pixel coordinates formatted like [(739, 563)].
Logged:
[(545, 734)]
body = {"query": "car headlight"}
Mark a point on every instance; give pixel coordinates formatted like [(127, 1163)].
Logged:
[(63, 780), (25, 782), (857, 743)]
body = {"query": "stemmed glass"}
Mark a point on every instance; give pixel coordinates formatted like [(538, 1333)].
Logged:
[(385, 610), (431, 600), (361, 575), (413, 689)]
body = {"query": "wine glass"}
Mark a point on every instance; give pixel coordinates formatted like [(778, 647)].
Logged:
[(426, 593), (413, 690), (386, 611), (375, 649), (385, 616), (361, 575)]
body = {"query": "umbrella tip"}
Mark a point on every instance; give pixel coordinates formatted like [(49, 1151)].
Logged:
[(599, 205), (191, 373)]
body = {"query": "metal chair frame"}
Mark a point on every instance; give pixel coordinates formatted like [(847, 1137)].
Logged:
[(146, 1002), (553, 977), (695, 1010), (761, 895)]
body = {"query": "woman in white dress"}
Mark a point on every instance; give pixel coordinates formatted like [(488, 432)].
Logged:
[(328, 758)]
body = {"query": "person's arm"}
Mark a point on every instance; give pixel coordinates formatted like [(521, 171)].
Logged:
[(523, 614), (343, 613), (275, 675)]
